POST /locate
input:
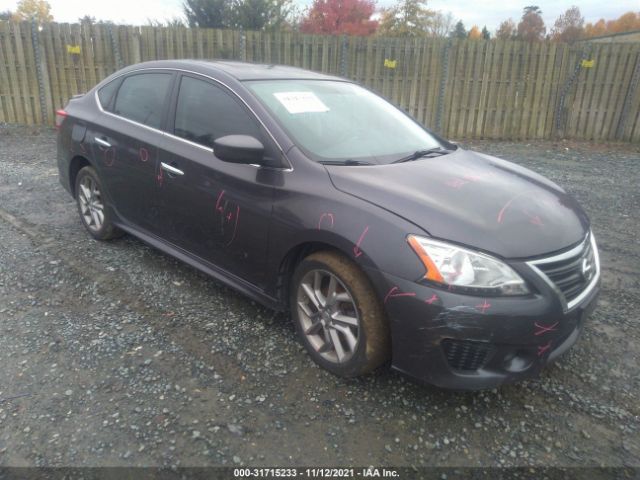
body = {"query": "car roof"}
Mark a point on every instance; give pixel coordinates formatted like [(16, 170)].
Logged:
[(238, 70)]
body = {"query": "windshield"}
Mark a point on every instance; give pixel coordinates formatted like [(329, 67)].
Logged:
[(340, 121)]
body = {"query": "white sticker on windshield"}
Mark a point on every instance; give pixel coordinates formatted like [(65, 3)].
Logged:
[(301, 102)]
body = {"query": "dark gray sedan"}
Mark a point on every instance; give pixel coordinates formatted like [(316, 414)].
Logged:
[(311, 194)]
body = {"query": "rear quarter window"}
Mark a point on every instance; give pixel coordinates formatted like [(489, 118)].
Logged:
[(106, 93)]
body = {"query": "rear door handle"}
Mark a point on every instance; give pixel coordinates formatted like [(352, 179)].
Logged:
[(172, 170), (102, 142)]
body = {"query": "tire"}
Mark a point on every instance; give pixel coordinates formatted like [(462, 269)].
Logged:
[(92, 207), (311, 283)]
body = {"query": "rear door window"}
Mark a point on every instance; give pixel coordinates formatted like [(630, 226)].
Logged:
[(142, 98), (205, 112)]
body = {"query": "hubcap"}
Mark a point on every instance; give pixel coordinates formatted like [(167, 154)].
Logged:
[(328, 316), (91, 206)]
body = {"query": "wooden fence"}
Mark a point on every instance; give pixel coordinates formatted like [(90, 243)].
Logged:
[(463, 89)]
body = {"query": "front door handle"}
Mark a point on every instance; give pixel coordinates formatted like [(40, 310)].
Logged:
[(102, 142), (172, 170)]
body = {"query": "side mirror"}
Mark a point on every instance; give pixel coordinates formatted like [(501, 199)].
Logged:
[(239, 149)]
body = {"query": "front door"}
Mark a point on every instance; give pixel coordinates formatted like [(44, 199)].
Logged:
[(215, 210)]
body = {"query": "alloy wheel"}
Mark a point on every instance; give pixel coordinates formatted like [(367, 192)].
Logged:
[(328, 316), (91, 205)]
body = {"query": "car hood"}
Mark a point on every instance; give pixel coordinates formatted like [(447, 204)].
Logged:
[(472, 199)]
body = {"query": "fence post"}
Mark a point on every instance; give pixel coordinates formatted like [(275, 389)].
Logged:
[(41, 72), (565, 90), (115, 44), (243, 46), (633, 85), (344, 51), (443, 86)]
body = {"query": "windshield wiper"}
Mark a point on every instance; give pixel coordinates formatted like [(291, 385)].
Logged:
[(347, 162), (423, 153)]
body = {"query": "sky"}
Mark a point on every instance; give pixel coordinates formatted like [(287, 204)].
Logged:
[(476, 12)]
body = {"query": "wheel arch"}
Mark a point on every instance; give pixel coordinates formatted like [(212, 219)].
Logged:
[(296, 253), (77, 163)]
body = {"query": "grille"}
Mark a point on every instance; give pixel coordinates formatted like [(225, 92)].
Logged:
[(466, 354), (573, 272)]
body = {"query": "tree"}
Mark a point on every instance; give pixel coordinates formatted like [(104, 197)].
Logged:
[(626, 22), (407, 18), (506, 30), (208, 13), (247, 14), (531, 28), (260, 14), (459, 31), (40, 10), (474, 33), (569, 26), (441, 24), (169, 22), (485, 33), (595, 29), (88, 19), (337, 17)]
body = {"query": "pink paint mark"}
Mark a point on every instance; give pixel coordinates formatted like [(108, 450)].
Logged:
[(159, 177), (456, 183), (144, 154), (484, 306), (235, 225), (109, 157), (504, 209), (356, 249), (433, 298), (478, 177), (392, 293), (326, 216), (543, 348), (219, 207), (545, 328), (536, 220)]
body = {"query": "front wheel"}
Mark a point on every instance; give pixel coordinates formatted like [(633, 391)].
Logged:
[(338, 316)]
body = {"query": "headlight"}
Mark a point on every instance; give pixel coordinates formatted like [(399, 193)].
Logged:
[(464, 270)]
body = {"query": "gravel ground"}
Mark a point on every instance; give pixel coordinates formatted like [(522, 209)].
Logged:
[(121, 356)]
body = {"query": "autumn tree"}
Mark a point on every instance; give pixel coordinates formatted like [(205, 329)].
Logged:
[(531, 28), (337, 17), (474, 33), (459, 31), (625, 23), (407, 18), (595, 29), (506, 30), (40, 10), (569, 26), (441, 24)]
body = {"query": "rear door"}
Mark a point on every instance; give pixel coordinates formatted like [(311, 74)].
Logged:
[(126, 144), (216, 210)]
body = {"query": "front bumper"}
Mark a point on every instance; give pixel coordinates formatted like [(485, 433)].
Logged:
[(468, 343)]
